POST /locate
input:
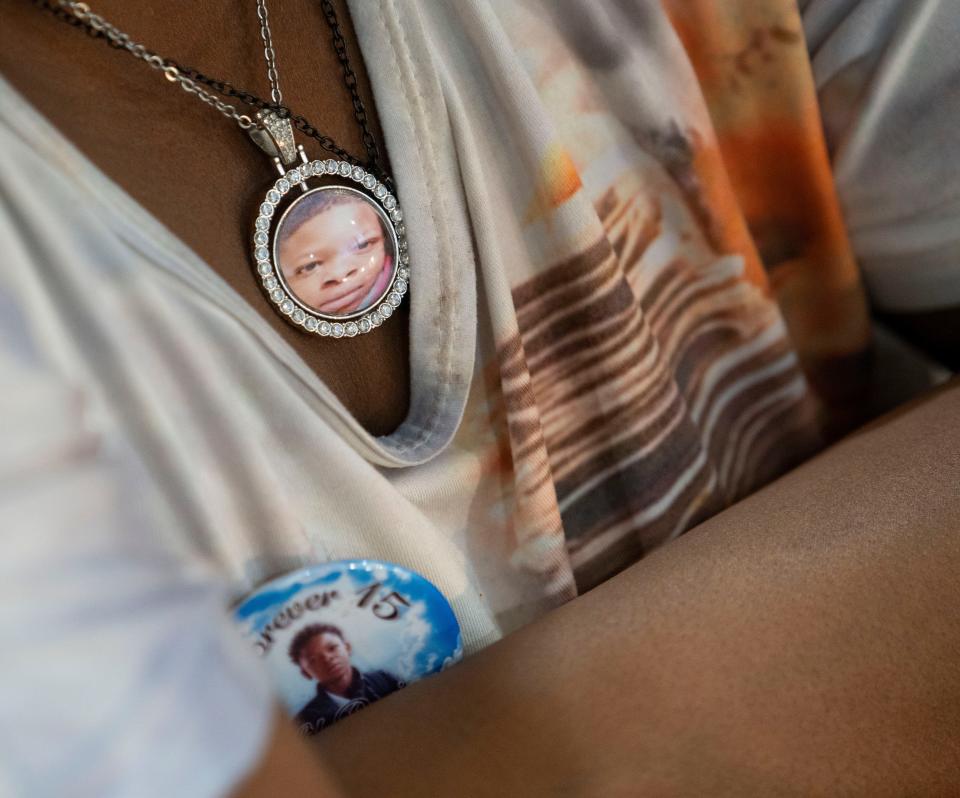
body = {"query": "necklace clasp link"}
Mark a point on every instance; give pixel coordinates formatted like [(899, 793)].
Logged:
[(275, 137)]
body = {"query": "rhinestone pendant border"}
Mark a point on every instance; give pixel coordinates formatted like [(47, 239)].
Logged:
[(284, 302)]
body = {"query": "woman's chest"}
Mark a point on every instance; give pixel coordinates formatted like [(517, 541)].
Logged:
[(196, 171)]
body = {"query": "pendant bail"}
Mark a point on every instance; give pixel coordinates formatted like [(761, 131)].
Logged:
[(275, 138)]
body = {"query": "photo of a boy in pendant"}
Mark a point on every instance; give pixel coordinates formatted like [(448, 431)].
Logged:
[(336, 251)]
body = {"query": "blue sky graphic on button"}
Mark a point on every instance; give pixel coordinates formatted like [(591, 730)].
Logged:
[(339, 636)]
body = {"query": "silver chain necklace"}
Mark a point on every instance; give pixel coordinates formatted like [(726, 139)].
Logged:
[(332, 258), (268, 54)]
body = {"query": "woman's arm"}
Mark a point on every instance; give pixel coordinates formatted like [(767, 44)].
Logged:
[(804, 642), (287, 767)]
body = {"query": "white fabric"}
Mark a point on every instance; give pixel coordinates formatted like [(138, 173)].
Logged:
[(888, 76), (121, 676)]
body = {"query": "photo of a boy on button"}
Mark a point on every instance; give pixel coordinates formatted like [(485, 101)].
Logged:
[(322, 653)]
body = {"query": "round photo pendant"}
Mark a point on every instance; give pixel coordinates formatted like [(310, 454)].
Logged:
[(332, 258)]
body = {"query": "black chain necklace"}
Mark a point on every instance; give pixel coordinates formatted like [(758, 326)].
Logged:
[(374, 162), (334, 259)]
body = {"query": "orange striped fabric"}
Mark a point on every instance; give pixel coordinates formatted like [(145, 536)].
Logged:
[(689, 301)]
